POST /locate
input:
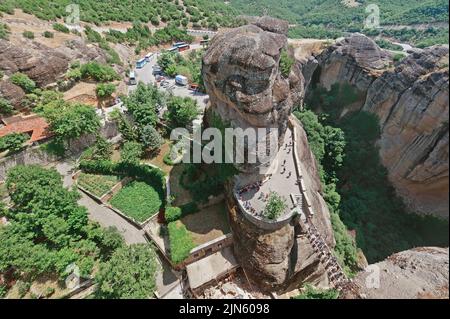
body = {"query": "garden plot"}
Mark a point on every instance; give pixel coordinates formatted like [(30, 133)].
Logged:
[(208, 224), (137, 200), (97, 185)]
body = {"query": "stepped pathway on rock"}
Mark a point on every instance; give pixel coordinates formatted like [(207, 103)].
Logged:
[(334, 271)]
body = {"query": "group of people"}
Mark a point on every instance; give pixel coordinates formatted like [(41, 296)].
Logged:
[(256, 185), (330, 261)]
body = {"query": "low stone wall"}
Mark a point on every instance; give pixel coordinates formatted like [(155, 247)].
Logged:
[(29, 156), (265, 223), (36, 155), (307, 208)]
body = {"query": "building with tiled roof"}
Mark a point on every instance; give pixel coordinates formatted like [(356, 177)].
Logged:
[(33, 125)]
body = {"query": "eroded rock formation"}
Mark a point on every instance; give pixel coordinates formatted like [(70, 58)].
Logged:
[(46, 65), (247, 90), (419, 273), (411, 101)]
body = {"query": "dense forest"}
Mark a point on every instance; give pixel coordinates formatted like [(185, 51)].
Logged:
[(332, 18), (308, 18), (201, 13)]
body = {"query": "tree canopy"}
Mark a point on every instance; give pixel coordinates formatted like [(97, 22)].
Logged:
[(129, 274)]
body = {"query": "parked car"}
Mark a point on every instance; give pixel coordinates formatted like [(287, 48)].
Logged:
[(181, 80), (159, 78)]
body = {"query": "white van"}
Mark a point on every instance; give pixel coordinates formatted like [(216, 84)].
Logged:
[(132, 78)]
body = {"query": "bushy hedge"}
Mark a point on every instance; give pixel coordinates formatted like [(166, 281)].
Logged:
[(22, 80), (98, 72), (180, 242), (172, 214), (13, 142), (149, 174), (175, 213)]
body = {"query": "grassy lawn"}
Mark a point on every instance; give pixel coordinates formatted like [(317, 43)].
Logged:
[(97, 184), (180, 241), (208, 224), (137, 200)]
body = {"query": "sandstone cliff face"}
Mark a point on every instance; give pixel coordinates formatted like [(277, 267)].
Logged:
[(420, 273), (412, 105), (247, 90), (11, 92), (242, 78), (411, 101), (40, 64), (46, 65)]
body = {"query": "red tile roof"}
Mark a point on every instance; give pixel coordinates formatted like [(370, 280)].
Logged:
[(35, 126)]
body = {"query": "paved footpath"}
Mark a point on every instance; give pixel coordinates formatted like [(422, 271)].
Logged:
[(165, 278), (104, 216)]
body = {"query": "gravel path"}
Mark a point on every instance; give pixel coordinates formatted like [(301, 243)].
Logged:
[(104, 216)]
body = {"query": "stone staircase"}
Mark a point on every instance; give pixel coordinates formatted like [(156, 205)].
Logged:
[(187, 294), (334, 271)]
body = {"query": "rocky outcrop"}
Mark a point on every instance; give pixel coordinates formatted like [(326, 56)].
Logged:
[(247, 90), (356, 60), (411, 101), (11, 92), (46, 65), (420, 273), (412, 105), (41, 64), (242, 78)]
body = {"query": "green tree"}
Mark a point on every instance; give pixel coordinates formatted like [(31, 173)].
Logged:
[(131, 152), (129, 274), (151, 139), (5, 106), (141, 104), (275, 206), (13, 142), (311, 292), (71, 120), (105, 90), (182, 111)]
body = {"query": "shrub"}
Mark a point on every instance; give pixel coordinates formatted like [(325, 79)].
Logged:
[(22, 80), (5, 106), (286, 63), (98, 72), (275, 206), (398, 57), (105, 90), (61, 28), (131, 152), (3, 290), (28, 34), (4, 31), (48, 34), (101, 150), (172, 214), (13, 142), (180, 242), (313, 293)]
